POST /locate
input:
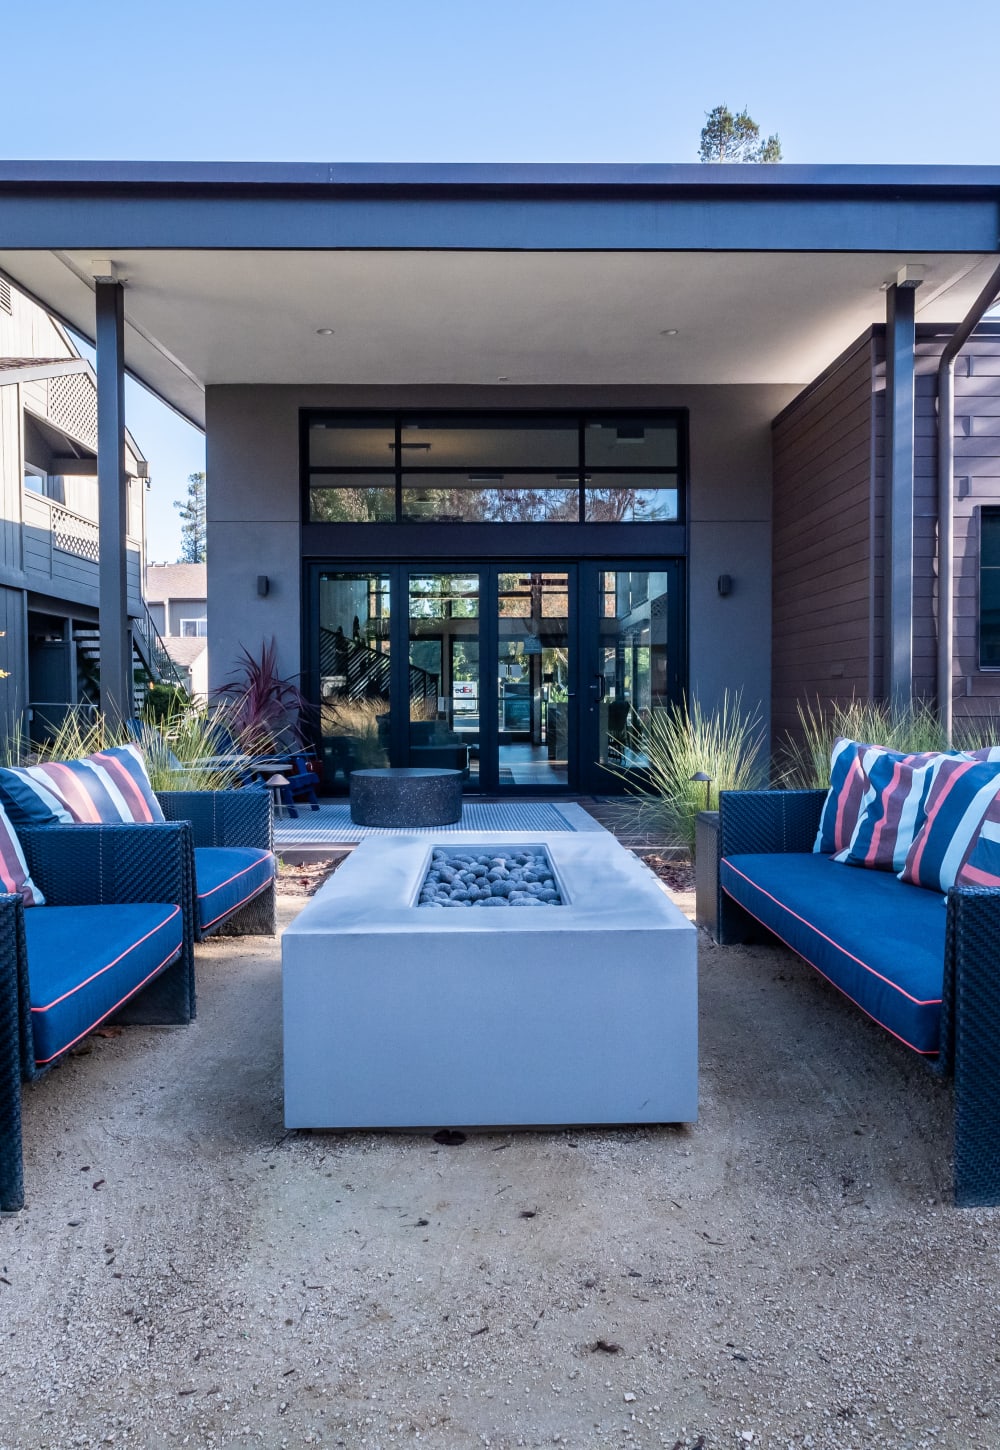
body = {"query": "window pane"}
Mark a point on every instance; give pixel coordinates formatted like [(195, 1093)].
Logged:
[(354, 671), (500, 498), (630, 443), (353, 443), (352, 499), (444, 672), (514, 442), (989, 618), (633, 662), (989, 543), (631, 499)]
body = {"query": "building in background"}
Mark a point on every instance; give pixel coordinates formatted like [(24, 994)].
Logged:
[(49, 533), (177, 599)]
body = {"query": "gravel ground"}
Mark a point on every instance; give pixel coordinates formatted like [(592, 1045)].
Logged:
[(788, 1272)]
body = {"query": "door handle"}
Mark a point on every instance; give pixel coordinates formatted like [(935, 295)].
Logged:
[(600, 687)]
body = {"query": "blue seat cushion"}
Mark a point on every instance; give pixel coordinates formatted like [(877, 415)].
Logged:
[(85, 961), (227, 877), (881, 942)]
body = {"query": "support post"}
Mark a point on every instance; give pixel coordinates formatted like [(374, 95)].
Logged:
[(116, 645), (900, 408)]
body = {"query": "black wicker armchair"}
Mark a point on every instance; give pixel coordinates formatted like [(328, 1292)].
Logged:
[(233, 864)]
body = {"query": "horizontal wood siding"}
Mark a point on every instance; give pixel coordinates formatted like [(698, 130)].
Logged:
[(822, 582), (975, 693), (10, 479)]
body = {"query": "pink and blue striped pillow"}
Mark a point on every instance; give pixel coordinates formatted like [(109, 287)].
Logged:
[(14, 877), (982, 868), (105, 788), (842, 807), (893, 808), (963, 794)]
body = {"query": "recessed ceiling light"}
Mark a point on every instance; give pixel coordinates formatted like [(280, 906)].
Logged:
[(668, 332), (324, 332)]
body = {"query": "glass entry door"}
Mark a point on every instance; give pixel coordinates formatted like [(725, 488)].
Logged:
[(529, 679), (633, 644), (534, 660), (443, 682)]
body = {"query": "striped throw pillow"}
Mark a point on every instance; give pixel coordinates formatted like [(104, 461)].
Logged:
[(842, 806), (959, 799), (982, 868), (14, 876), (107, 787), (893, 809)]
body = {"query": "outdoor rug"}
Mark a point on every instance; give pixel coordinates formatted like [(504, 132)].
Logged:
[(332, 823)]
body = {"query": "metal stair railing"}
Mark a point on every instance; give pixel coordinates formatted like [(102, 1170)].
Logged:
[(152, 651)]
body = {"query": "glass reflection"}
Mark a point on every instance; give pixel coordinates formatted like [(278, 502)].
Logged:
[(354, 672)]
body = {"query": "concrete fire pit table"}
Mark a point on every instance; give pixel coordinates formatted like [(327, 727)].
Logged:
[(405, 1015)]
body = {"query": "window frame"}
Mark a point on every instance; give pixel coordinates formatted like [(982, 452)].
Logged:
[(408, 474)]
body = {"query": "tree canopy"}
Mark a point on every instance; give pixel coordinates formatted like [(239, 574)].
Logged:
[(193, 525), (726, 137)]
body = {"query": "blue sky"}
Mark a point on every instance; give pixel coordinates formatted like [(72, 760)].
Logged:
[(460, 80)]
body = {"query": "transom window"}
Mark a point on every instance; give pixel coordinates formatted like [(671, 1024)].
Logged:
[(493, 468)]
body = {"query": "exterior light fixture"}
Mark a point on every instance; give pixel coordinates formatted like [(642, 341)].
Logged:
[(263, 585), (324, 332), (668, 332), (725, 584), (503, 378), (700, 775)]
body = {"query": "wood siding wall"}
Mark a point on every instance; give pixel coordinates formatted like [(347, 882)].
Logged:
[(828, 541), (826, 579), (977, 483)]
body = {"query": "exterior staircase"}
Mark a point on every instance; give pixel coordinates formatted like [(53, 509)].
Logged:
[(150, 660)]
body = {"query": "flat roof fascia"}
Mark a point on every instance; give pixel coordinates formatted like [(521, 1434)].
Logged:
[(102, 206)]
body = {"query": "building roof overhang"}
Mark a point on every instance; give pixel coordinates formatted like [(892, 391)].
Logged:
[(449, 274)]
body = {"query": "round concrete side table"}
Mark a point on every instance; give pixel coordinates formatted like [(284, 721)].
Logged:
[(406, 797)]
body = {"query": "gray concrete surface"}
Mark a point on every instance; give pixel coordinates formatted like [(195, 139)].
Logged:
[(789, 1272)]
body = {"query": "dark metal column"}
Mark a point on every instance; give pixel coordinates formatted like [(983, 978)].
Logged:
[(116, 643), (900, 405)]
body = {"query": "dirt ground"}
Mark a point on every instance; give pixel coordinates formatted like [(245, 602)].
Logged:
[(787, 1272)]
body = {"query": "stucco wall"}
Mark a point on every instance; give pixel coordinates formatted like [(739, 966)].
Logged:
[(253, 513)]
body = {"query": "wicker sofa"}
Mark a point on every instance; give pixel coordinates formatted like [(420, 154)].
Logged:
[(925, 971), (114, 940)]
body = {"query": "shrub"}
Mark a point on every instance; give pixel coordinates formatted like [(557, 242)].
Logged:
[(263, 708), (681, 741)]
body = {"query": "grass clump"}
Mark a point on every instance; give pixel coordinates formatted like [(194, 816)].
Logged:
[(175, 750), (680, 741), (803, 761)]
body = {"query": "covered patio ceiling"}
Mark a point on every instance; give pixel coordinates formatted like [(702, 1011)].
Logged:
[(201, 318), (383, 275)]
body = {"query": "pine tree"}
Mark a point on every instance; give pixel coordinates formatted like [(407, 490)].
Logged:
[(193, 527), (726, 137)]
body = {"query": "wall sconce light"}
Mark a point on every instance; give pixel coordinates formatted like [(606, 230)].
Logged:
[(725, 584), (263, 585)]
